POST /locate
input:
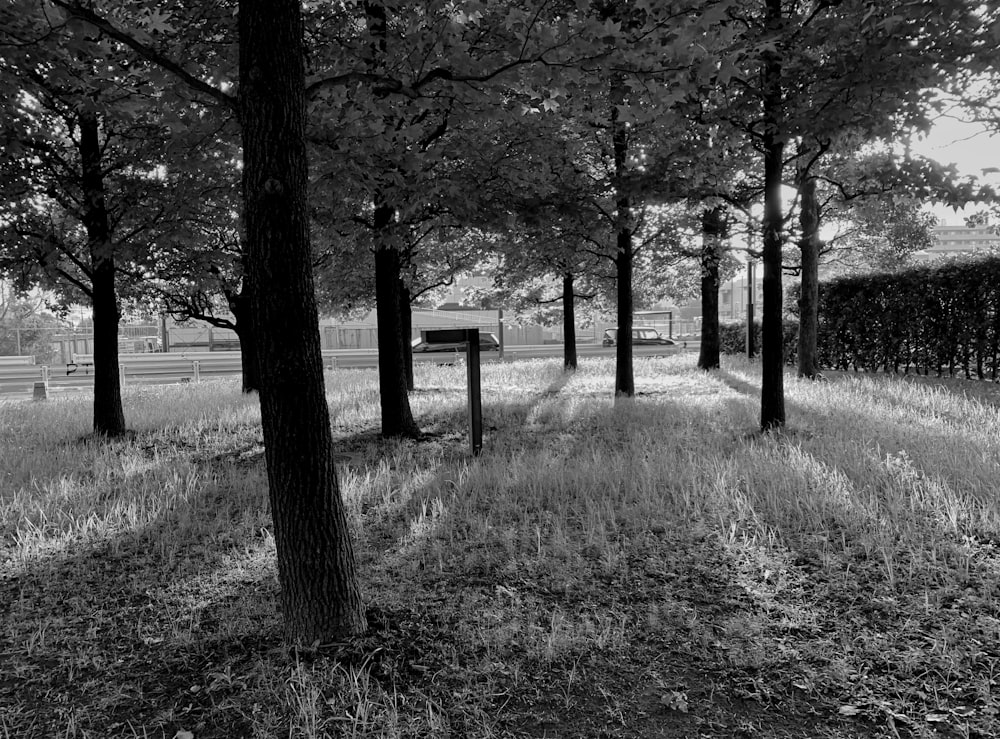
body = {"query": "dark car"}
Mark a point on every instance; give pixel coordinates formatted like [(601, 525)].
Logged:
[(639, 336), (487, 343)]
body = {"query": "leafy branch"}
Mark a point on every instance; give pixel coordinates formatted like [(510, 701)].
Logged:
[(148, 53)]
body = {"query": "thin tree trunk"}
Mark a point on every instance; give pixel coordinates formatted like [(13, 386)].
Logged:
[(713, 227), (397, 419), (809, 295), (624, 254), (624, 375), (393, 375), (406, 321), (772, 398), (569, 322), (109, 417), (320, 596)]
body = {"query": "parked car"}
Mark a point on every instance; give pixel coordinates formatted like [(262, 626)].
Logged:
[(640, 335), (488, 342)]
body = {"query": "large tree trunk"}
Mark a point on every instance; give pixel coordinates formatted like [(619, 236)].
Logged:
[(713, 229), (624, 375), (569, 322), (809, 295), (320, 597), (772, 398), (240, 308), (109, 417), (397, 419)]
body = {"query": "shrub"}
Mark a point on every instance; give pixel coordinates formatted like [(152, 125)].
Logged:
[(943, 318), (732, 338)]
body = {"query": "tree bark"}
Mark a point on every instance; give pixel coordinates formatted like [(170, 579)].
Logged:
[(569, 322), (109, 417), (320, 596), (624, 375), (809, 244), (406, 321), (713, 228), (397, 419), (244, 329), (772, 398)]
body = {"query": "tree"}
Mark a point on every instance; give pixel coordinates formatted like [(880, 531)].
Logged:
[(649, 71), (806, 73), (401, 137), (82, 198), (809, 247), (548, 237), (543, 267), (321, 598), (876, 184), (714, 229), (198, 267), (320, 594)]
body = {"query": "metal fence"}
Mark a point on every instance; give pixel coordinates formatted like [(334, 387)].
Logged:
[(58, 345)]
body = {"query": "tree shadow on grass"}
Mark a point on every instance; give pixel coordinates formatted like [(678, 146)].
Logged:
[(166, 618), (172, 623), (121, 620), (627, 605), (621, 609), (886, 508), (556, 579), (576, 602)]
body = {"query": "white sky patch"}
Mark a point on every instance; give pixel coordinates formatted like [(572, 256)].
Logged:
[(971, 148)]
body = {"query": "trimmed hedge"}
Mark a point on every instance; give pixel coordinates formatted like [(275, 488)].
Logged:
[(933, 318), (733, 339)]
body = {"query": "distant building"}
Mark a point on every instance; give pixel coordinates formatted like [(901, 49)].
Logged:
[(733, 298), (960, 239)]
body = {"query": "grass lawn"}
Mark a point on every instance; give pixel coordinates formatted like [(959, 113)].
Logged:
[(653, 568)]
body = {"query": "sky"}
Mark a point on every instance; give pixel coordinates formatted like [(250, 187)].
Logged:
[(971, 148)]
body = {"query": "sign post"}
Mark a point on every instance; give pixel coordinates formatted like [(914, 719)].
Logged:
[(472, 361), (499, 331), (470, 336), (750, 291)]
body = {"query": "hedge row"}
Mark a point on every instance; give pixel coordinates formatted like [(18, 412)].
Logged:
[(933, 318), (733, 339)]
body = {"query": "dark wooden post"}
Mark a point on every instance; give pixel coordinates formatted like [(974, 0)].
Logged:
[(472, 361)]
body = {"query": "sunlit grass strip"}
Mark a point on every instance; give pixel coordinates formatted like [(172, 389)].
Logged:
[(61, 487)]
